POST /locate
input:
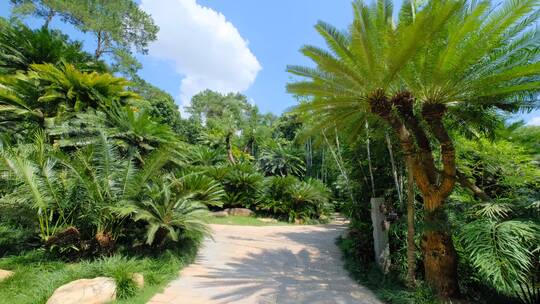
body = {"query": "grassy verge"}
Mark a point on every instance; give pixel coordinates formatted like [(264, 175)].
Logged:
[(37, 276), (244, 221), (388, 288)]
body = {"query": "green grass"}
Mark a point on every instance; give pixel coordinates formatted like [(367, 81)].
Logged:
[(37, 276), (388, 288), (243, 221)]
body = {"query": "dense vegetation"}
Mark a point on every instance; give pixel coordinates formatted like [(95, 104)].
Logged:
[(438, 81), (98, 168)]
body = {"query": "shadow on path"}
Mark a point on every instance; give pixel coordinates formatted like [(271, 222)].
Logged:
[(270, 265)]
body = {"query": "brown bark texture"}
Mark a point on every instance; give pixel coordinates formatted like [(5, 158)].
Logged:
[(440, 263), (440, 260)]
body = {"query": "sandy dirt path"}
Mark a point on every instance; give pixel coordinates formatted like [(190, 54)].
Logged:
[(271, 264)]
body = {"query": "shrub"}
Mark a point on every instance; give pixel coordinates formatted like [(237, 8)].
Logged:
[(14, 239), (294, 199), (241, 182)]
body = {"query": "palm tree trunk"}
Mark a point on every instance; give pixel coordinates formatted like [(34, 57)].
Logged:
[(440, 258), (411, 247), (161, 236)]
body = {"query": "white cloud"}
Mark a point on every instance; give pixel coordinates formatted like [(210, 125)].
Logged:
[(206, 49), (535, 121)]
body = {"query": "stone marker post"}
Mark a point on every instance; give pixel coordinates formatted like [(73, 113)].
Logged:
[(380, 233)]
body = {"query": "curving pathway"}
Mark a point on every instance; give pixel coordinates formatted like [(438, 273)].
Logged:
[(271, 264)]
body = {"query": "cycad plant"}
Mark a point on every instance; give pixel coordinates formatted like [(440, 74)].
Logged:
[(130, 126), (109, 180), (506, 253), (438, 60), (276, 159), (168, 214), (48, 93), (200, 188), (294, 199), (20, 47), (38, 181)]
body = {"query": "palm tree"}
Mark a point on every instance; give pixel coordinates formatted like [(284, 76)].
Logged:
[(415, 73)]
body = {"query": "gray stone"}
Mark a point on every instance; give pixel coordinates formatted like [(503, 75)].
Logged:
[(220, 214), (239, 211), (268, 220), (99, 290)]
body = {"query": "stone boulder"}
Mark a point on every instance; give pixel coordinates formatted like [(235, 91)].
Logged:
[(4, 274), (138, 278), (239, 211), (268, 220), (220, 214), (99, 290)]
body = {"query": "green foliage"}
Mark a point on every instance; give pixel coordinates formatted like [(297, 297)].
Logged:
[(118, 26), (276, 159), (48, 92), (162, 105), (38, 182), (388, 288), (500, 166), (241, 184), (38, 274), (20, 47), (472, 58), (14, 239), (505, 253), (200, 188), (288, 197), (168, 215), (204, 156)]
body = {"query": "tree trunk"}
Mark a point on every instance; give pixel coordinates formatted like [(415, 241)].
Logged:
[(394, 170), (411, 247), (465, 182), (440, 258), (48, 19), (439, 253), (98, 52), (160, 237), (228, 146), (369, 160)]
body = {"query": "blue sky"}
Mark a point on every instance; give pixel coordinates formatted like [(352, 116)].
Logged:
[(234, 45)]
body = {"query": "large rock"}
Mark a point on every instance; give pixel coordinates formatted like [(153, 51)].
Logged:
[(4, 274), (239, 211), (268, 220), (138, 278), (220, 214), (99, 290)]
